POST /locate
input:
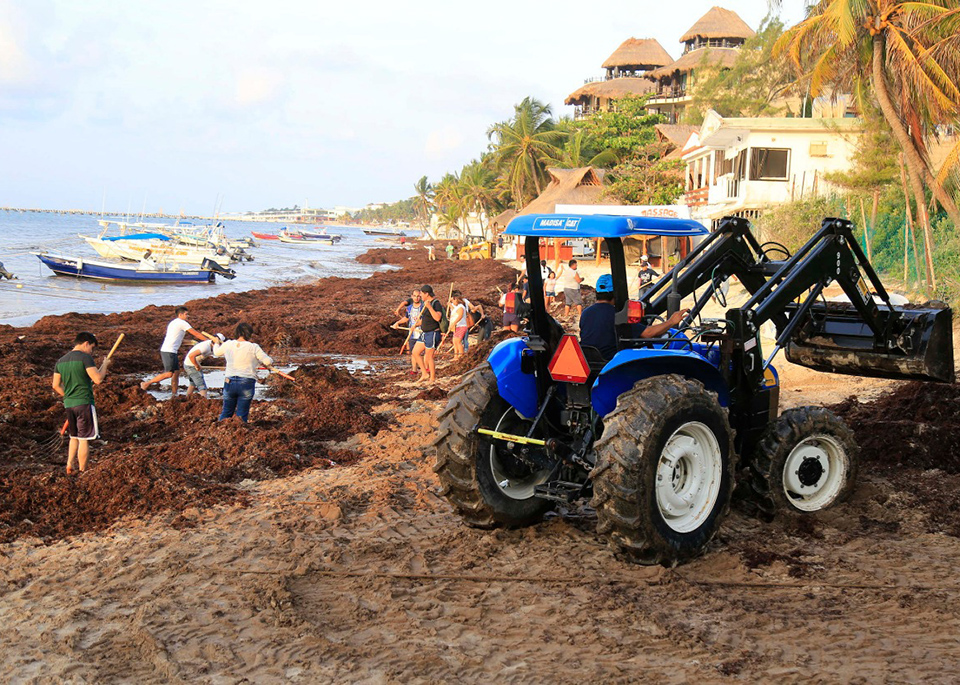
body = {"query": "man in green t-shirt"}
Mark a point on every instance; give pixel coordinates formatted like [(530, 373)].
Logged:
[(73, 379)]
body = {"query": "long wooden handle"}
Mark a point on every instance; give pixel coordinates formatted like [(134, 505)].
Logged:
[(115, 346), (211, 337)]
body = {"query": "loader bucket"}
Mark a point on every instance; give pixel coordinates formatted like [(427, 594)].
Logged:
[(839, 341)]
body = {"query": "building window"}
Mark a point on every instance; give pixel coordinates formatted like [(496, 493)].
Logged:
[(769, 164)]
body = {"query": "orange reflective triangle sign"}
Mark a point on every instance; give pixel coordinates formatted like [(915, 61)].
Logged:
[(568, 363)]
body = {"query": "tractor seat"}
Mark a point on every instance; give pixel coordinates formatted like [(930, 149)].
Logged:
[(595, 359)]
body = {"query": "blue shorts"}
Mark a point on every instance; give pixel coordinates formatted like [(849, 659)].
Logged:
[(431, 339)]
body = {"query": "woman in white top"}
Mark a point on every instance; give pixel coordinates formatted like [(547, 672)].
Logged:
[(458, 322), (243, 359)]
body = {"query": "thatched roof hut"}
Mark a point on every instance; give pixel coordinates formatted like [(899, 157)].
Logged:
[(613, 89), (675, 134), (715, 57), (500, 221), (581, 186), (638, 54), (718, 23)]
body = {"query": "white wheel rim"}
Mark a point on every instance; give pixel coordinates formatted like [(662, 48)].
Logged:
[(688, 477), (814, 472), (514, 488)]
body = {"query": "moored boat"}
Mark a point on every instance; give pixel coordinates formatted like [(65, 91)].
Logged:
[(320, 233), (265, 236), (385, 231), (299, 237), (133, 247), (147, 271)]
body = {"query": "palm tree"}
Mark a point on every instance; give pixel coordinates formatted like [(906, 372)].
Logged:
[(478, 186), (423, 203), (580, 150), (905, 54), (523, 146)]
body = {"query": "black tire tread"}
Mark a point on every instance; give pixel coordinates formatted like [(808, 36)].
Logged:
[(627, 431), (456, 453), (765, 492)]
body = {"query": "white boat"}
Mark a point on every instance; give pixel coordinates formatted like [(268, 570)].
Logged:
[(133, 247)]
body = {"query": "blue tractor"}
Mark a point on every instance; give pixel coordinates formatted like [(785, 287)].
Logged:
[(657, 435)]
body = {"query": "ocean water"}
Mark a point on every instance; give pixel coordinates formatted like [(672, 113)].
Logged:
[(42, 293)]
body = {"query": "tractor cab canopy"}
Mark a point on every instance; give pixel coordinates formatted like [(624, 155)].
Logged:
[(601, 226)]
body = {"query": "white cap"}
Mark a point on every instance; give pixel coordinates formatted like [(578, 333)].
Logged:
[(644, 258), (221, 336)]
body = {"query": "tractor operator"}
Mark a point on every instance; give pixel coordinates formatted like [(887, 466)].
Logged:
[(598, 321)]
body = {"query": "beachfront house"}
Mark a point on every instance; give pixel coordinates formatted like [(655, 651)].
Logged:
[(741, 166), (625, 74), (714, 40)]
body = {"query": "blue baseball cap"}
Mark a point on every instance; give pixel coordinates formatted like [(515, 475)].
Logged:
[(605, 284)]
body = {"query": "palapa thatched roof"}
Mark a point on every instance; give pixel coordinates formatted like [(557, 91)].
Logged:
[(722, 57), (502, 219), (719, 23), (676, 134), (581, 186), (646, 53), (612, 89)]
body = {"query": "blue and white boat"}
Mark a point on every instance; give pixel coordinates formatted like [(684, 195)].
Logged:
[(146, 271)]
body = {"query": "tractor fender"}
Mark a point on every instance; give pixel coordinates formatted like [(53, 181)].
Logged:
[(513, 385), (630, 366)]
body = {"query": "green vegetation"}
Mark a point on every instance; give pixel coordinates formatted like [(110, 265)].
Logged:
[(901, 56), (755, 86)]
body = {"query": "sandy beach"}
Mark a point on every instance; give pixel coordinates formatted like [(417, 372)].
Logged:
[(314, 546)]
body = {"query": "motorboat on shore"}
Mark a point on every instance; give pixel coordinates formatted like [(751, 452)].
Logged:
[(385, 231), (145, 271), (208, 241), (133, 247), (320, 233), (299, 237)]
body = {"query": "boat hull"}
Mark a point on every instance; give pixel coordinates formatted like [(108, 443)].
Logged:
[(133, 250), (101, 271), (305, 241), (265, 236)]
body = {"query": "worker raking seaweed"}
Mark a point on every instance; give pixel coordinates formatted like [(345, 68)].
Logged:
[(75, 375)]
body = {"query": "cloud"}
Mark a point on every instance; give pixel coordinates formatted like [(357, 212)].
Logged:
[(257, 86), (15, 68), (441, 142)]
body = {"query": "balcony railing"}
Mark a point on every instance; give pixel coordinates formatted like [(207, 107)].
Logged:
[(671, 92), (697, 198), (712, 43)]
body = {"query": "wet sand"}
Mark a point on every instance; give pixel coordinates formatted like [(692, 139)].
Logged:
[(314, 547)]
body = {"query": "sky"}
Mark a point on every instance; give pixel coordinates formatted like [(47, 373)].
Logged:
[(190, 104)]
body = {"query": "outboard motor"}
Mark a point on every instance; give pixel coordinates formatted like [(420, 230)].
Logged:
[(211, 265), (6, 274)]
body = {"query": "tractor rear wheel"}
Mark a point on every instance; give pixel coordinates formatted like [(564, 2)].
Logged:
[(483, 481), (665, 471), (806, 461)]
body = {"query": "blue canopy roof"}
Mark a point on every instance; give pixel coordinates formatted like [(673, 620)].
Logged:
[(600, 226)]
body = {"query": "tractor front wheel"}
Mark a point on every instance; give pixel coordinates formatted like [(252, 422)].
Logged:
[(481, 478), (806, 461), (665, 471)]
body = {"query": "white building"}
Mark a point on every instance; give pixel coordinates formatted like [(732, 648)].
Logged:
[(741, 166)]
